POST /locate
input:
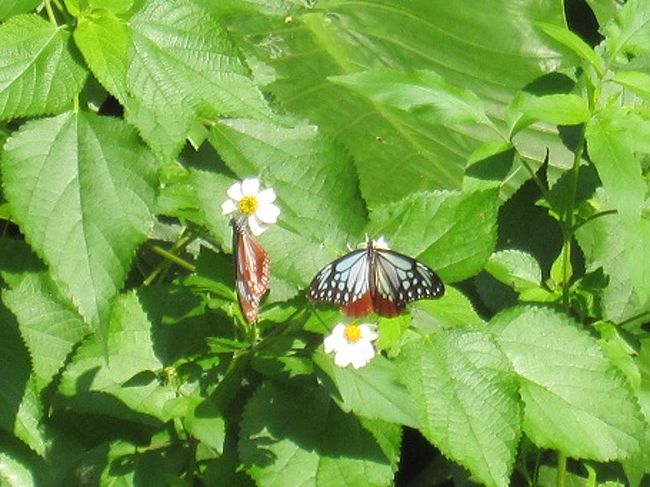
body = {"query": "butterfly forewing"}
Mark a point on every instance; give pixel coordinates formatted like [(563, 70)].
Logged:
[(252, 270), (401, 279), (342, 281)]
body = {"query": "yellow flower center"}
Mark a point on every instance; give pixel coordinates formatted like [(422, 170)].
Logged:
[(248, 205), (352, 333)]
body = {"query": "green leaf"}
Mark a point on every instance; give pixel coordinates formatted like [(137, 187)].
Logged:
[(9, 8), (183, 66), (590, 413), (567, 38), (372, 392), (126, 464), (394, 156), (14, 473), (636, 81), (119, 378), (415, 90), (629, 33), (602, 245), (453, 233), (39, 71), (516, 269), (104, 41), (611, 148), (21, 411), (295, 436), (454, 311), (81, 187), (48, 324), (467, 401), (559, 109)]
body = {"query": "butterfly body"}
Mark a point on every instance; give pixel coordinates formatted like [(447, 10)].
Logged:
[(374, 278), (252, 270)]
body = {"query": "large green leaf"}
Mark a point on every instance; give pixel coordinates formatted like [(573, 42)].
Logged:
[(299, 437), (48, 324), (574, 399), (9, 8), (467, 401), (372, 391), (39, 72), (170, 64), (119, 378), (454, 233), (601, 242), (81, 187), (394, 155), (612, 148)]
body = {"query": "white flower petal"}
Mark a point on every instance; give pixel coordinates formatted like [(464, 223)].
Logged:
[(268, 213), (234, 192), (364, 353), (257, 227), (266, 196), (250, 186), (228, 206), (368, 333), (343, 358)]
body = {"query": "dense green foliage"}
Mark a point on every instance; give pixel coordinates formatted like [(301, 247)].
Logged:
[(487, 139)]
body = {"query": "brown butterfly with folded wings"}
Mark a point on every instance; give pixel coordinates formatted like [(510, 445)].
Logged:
[(252, 269)]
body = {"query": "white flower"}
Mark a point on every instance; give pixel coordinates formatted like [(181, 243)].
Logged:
[(246, 200), (351, 344)]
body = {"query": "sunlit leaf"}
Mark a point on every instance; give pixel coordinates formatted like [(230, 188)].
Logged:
[(81, 187)]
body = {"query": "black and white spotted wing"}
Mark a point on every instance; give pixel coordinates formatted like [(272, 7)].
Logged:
[(399, 279), (374, 279)]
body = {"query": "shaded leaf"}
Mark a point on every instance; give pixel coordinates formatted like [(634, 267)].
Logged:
[(413, 90), (48, 324), (21, 411), (118, 379), (336, 37), (281, 444)]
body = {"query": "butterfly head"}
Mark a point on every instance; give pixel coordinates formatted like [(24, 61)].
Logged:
[(379, 243)]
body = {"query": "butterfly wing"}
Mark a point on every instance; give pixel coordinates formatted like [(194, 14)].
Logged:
[(399, 279), (252, 271), (345, 282)]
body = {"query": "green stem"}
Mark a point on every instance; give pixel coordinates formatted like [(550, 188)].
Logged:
[(172, 257), (561, 470), (593, 217), (567, 224), (50, 12), (536, 180)]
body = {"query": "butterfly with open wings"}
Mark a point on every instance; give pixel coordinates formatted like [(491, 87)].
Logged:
[(252, 269), (374, 278)]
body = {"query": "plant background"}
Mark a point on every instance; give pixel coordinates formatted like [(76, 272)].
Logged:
[(484, 138)]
